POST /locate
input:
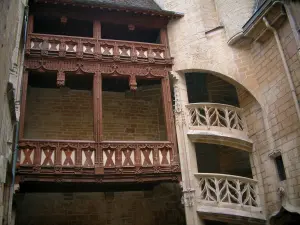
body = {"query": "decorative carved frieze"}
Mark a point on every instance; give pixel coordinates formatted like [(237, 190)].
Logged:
[(88, 67)]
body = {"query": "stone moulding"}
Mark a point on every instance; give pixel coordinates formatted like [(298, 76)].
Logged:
[(228, 195), (218, 123)]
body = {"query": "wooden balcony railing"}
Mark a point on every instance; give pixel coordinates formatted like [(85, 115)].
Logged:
[(90, 158), (90, 48), (219, 191)]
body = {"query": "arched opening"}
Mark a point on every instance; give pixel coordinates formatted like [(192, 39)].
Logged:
[(213, 158), (222, 119), (206, 87)]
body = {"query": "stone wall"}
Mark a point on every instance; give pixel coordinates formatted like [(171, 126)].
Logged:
[(281, 125), (59, 114), (68, 115), (234, 14), (160, 206), (269, 108), (138, 116), (11, 17)]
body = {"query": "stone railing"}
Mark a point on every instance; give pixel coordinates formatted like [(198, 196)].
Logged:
[(87, 157), (218, 124), (216, 115), (223, 188), (90, 48), (218, 191)]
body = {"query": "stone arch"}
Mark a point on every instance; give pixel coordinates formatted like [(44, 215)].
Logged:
[(244, 86), (255, 116)]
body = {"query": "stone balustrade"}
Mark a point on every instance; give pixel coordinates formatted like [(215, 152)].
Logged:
[(228, 195), (218, 122)]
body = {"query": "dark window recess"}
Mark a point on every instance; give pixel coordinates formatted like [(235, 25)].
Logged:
[(115, 84), (280, 168), (122, 84), (122, 32), (53, 25), (48, 80), (202, 87)]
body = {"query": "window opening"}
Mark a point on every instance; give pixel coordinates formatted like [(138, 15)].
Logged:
[(129, 33), (280, 168), (202, 87), (62, 26)]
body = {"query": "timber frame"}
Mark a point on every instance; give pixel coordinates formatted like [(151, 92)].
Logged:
[(98, 160)]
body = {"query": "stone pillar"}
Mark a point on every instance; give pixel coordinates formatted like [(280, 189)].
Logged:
[(187, 153)]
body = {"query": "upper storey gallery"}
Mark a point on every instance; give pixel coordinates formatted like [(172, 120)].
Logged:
[(133, 31)]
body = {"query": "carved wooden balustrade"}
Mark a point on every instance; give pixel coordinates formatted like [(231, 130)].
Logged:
[(218, 191), (218, 120), (91, 48), (136, 161)]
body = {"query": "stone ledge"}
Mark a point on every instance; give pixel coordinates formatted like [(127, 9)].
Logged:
[(231, 214), (234, 138)]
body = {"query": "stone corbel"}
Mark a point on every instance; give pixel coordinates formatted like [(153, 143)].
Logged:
[(188, 197), (61, 79)]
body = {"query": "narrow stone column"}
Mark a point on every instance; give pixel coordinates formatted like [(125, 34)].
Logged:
[(187, 153)]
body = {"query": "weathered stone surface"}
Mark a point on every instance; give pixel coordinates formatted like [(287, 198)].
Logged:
[(264, 93), (11, 17)]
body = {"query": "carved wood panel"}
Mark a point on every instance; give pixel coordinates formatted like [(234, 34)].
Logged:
[(38, 157), (57, 46)]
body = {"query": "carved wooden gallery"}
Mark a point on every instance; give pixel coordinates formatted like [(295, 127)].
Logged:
[(94, 91)]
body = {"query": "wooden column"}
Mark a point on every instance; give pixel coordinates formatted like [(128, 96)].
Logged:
[(163, 36), (30, 24), (97, 99), (97, 30), (23, 104), (29, 31), (164, 41), (97, 102), (169, 120)]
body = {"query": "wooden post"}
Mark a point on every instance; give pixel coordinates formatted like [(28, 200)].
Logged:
[(164, 41), (97, 105), (29, 32), (169, 120), (30, 24), (97, 30), (97, 96), (163, 36), (23, 104)]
